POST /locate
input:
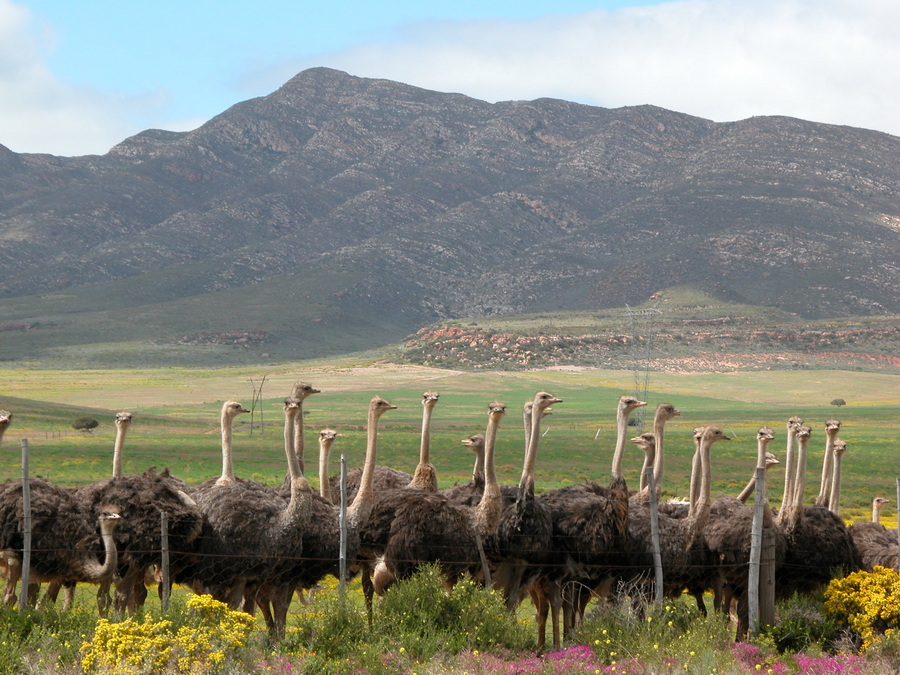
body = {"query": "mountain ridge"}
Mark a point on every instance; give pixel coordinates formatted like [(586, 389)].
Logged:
[(372, 208)]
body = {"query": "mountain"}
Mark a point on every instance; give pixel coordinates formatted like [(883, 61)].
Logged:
[(342, 213)]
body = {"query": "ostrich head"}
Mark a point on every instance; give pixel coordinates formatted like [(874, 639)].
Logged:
[(667, 411), (803, 432), (5, 419), (496, 408), (764, 435), (232, 409), (301, 390), (629, 403), (646, 441), (473, 441), (123, 418), (542, 401), (832, 427), (379, 405), (771, 460), (794, 423), (839, 447), (430, 399), (327, 436)]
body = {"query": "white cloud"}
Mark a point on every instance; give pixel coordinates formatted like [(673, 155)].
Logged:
[(38, 112), (829, 61)]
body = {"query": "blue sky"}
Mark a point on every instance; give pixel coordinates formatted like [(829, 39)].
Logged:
[(77, 77)]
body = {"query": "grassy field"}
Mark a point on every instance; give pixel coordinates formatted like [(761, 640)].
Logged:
[(176, 421)]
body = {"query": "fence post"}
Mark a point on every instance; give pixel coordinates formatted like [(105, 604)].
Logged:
[(342, 563), (26, 533), (166, 582)]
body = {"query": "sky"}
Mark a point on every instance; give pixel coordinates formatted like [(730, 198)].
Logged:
[(77, 77)]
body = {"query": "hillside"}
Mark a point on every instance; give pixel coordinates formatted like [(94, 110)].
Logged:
[(340, 214)]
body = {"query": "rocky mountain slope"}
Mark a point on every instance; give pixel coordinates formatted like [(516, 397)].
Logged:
[(342, 213)]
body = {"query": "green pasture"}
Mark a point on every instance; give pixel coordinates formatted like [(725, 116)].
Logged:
[(177, 421)]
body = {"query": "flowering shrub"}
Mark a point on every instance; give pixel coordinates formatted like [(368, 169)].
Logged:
[(213, 635), (868, 602)]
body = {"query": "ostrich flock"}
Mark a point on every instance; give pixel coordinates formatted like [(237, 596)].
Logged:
[(255, 547)]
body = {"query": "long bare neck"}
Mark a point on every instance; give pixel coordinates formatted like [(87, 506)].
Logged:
[(121, 430), (290, 419), (526, 482), (699, 511), (92, 568), (789, 470), (696, 471), (227, 463), (824, 496), (425, 476), (359, 510), (297, 463), (876, 510), (659, 425), (834, 498), (478, 468), (800, 470), (621, 433), (490, 507), (324, 483)]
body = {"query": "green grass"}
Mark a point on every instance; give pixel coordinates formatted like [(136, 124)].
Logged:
[(177, 417)]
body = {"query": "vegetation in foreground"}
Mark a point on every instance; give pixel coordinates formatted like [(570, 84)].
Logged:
[(420, 628)]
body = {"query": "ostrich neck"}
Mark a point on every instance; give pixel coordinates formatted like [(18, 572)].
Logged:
[(827, 468), (659, 424), (227, 465), (121, 430), (834, 498), (91, 567), (324, 483), (789, 477), (359, 510), (621, 432), (800, 471), (876, 512), (290, 420), (478, 469), (298, 467), (699, 510), (526, 482), (490, 507), (696, 470), (425, 477)]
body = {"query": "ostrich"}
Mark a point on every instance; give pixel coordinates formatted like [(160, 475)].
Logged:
[(589, 530), (818, 545), (684, 554), (63, 534), (526, 525), (245, 527), (425, 477), (140, 500), (876, 545), (834, 495), (428, 527), (831, 430)]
